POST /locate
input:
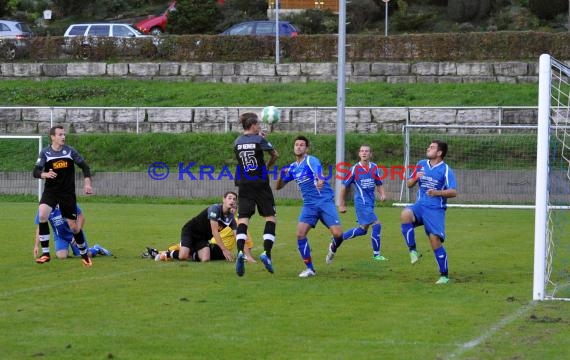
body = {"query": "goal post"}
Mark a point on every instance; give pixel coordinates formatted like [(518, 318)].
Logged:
[(551, 278), (14, 150)]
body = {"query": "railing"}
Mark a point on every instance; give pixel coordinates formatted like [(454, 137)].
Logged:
[(318, 120)]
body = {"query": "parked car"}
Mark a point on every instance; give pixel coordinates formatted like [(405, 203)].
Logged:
[(156, 25), (14, 38), (90, 35), (262, 28)]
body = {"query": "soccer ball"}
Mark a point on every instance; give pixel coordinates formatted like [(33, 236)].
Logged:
[(270, 115)]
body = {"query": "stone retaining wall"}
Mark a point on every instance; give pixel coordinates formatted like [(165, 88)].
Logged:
[(219, 120), (314, 120), (254, 72)]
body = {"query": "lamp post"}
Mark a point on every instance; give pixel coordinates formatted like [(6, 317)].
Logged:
[(277, 32), (386, 17), (340, 93)]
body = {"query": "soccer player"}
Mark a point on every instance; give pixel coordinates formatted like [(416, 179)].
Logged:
[(254, 191), (228, 236), (196, 233), (63, 236), (366, 177), (436, 183), (318, 202), (56, 165)]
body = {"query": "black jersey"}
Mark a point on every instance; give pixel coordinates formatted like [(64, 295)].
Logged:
[(251, 166), (61, 162), (200, 224)]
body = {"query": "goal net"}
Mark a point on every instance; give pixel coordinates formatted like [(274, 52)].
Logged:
[(16, 150), (494, 165), (552, 214)]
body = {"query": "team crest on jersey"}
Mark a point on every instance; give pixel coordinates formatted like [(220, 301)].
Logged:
[(60, 164), (213, 214)]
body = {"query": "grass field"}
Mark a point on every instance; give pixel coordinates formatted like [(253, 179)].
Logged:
[(125, 307)]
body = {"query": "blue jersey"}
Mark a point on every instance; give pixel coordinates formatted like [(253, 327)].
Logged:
[(306, 174), (365, 180), (59, 224), (438, 177)]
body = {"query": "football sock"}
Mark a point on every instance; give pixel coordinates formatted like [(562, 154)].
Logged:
[(268, 237), (44, 237), (409, 235), (80, 241), (305, 251), (441, 258), (375, 238), (336, 242), (267, 246), (241, 236), (173, 254), (354, 232)]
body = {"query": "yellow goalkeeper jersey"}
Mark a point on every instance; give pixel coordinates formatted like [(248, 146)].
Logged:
[(229, 239)]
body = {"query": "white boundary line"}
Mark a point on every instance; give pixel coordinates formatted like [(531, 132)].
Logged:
[(489, 333)]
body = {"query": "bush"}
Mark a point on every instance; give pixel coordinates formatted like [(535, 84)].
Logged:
[(315, 21), (194, 17), (361, 14)]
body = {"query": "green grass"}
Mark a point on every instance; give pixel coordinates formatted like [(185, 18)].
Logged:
[(104, 92), (125, 307), (132, 152)]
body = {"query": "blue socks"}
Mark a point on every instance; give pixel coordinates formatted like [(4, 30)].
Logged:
[(409, 236), (375, 238), (305, 251), (441, 258)]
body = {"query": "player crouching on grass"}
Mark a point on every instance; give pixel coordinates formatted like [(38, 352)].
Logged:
[(63, 236), (228, 237), (436, 183), (197, 232)]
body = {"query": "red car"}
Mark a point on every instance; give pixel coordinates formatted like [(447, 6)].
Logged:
[(156, 24)]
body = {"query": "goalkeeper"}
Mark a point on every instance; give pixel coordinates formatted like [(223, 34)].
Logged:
[(197, 233), (228, 237)]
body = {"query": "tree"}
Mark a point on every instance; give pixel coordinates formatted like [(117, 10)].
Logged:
[(236, 11), (361, 14), (194, 17), (467, 10), (547, 9)]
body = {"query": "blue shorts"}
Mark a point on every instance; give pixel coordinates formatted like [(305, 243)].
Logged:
[(326, 212), (433, 220), (63, 244), (365, 214)]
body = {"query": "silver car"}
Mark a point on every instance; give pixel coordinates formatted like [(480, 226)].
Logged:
[(91, 35), (14, 38)]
